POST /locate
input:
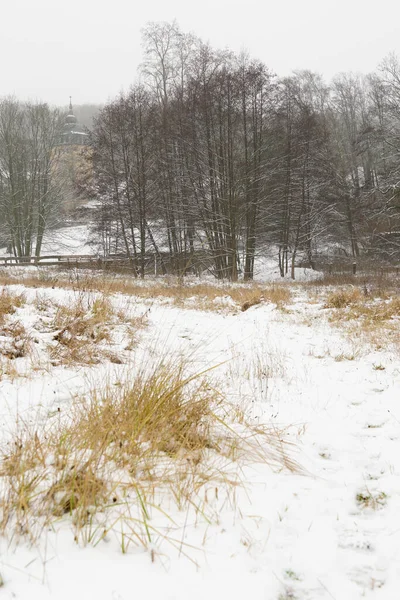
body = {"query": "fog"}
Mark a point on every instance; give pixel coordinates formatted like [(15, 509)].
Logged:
[(91, 50)]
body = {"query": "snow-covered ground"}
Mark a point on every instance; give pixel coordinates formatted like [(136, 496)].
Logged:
[(65, 240), (80, 240), (288, 535)]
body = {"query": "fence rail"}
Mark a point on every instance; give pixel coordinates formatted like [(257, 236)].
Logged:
[(155, 264), (50, 259), (197, 263)]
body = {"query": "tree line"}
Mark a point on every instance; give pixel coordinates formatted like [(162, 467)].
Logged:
[(210, 152), (39, 174), (29, 189), (211, 156)]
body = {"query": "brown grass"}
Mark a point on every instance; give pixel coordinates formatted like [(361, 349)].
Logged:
[(369, 316), (120, 449), (354, 307), (343, 297), (198, 296), (79, 331), (275, 294), (15, 341), (375, 501), (83, 330), (9, 302)]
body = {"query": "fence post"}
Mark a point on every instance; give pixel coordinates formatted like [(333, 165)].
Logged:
[(354, 268)]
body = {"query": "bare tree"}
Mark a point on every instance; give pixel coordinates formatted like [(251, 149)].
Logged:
[(29, 190)]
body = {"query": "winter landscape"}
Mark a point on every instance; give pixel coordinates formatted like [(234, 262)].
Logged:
[(199, 310), (269, 465)]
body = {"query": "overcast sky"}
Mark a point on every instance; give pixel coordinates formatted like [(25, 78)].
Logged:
[(90, 49)]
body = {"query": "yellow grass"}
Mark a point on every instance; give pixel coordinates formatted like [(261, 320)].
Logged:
[(158, 433), (9, 302), (343, 297), (369, 317), (83, 330), (198, 296)]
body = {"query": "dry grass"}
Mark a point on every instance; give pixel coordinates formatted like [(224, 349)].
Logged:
[(182, 293), (80, 328), (371, 317), (108, 462), (15, 342), (343, 297), (352, 306), (83, 330), (9, 302), (367, 499), (383, 279), (275, 294)]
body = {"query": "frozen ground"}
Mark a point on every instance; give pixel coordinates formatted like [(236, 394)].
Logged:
[(288, 536), (65, 240), (78, 240)]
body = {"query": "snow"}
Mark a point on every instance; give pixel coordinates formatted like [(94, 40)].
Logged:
[(65, 240), (291, 535)]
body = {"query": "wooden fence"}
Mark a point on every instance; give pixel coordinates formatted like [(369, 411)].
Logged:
[(155, 264)]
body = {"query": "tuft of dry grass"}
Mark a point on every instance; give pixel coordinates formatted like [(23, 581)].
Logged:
[(343, 297), (368, 499), (253, 295), (368, 313), (106, 464), (9, 302), (83, 330), (15, 341), (79, 331), (369, 316), (278, 294)]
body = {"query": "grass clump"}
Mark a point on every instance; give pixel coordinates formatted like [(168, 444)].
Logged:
[(248, 297), (369, 500), (15, 341), (83, 330), (372, 319), (9, 302), (108, 464), (79, 331), (343, 297)]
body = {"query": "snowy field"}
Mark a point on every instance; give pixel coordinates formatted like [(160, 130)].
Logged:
[(65, 240), (328, 387)]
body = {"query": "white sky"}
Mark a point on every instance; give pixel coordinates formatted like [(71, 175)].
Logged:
[(90, 49)]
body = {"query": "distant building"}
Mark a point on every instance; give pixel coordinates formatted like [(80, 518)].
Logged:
[(72, 164), (73, 134)]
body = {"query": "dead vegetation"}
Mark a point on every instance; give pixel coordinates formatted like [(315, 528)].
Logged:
[(119, 450), (368, 499), (275, 294), (343, 297), (180, 292), (15, 342), (9, 302), (369, 315), (84, 330), (81, 328)]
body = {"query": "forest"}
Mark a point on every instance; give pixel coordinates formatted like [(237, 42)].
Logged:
[(212, 158)]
